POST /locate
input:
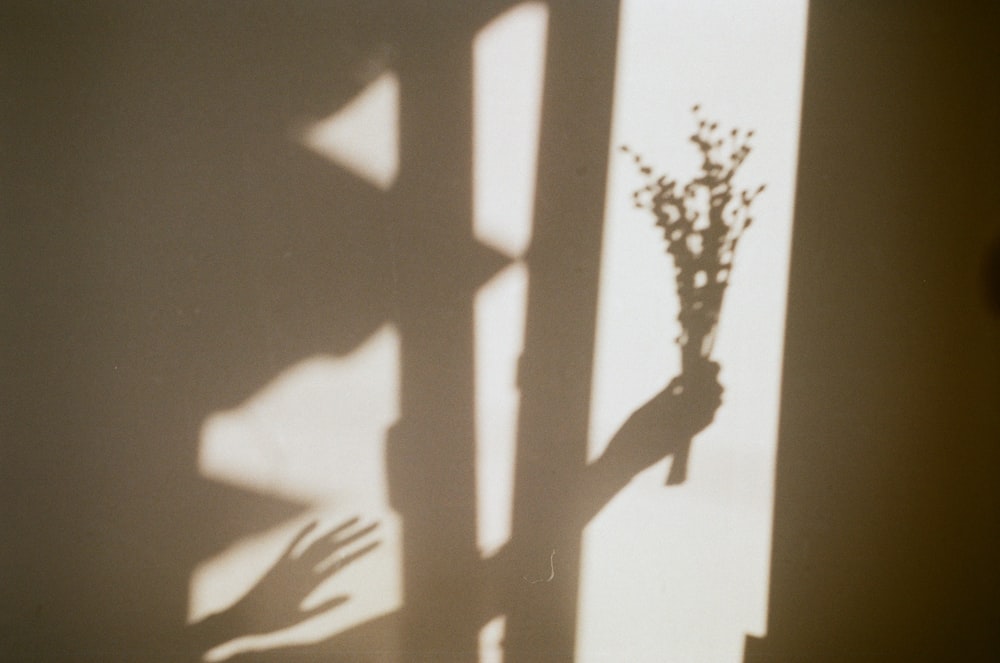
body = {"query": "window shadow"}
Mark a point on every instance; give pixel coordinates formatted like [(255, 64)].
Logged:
[(171, 249)]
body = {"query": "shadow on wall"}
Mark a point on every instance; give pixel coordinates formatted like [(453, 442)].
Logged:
[(886, 504), (172, 249)]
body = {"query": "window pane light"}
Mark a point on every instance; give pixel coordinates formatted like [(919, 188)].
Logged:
[(681, 572)]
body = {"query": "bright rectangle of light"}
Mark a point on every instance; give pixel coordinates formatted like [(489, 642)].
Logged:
[(681, 573), (508, 67)]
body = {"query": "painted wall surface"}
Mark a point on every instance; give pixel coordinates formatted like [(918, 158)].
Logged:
[(267, 264)]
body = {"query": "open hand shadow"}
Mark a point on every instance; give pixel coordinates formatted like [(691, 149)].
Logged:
[(278, 599)]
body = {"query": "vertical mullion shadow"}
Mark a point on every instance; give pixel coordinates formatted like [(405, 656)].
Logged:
[(556, 367)]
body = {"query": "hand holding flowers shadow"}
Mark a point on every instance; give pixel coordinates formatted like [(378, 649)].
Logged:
[(280, 599), (663, 426), (703, 222)]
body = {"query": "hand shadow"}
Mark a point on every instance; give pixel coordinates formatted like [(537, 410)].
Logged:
[(697, 393), (277, 600), (664, 426)]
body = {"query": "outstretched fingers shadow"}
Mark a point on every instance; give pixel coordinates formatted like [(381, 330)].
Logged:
[(281, 598)]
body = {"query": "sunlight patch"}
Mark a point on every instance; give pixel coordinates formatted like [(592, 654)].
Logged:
[(509, 66), (363, 136), (315, 435), (500, 316), (681, 572)]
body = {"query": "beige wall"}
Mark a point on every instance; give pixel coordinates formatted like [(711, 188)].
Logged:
[(165, 251)]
